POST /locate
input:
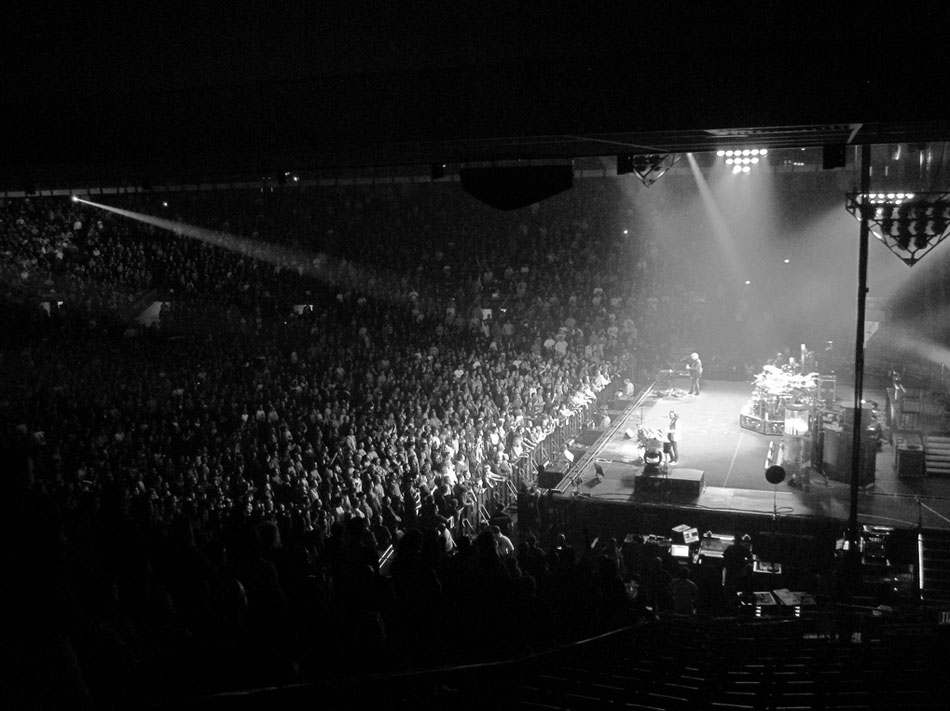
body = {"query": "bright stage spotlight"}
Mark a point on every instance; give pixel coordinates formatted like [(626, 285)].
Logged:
[(75, 198), (742, 158)]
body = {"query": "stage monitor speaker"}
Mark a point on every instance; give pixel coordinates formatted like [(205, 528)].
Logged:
[(549, 479), (679, 484), (512, 187)]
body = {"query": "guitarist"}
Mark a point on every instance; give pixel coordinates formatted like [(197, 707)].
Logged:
[(695, 367)]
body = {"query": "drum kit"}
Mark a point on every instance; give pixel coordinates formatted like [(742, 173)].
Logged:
[(775, 387)]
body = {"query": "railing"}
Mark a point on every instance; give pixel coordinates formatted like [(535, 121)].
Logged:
[(920, 506), (524, 470)]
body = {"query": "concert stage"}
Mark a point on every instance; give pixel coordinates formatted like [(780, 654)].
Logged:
[(721, 468)]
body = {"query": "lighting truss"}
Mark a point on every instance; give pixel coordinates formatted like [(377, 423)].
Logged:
[(650, 168), (909, 224)]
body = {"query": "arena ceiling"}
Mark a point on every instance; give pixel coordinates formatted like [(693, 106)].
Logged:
[(206, 92)]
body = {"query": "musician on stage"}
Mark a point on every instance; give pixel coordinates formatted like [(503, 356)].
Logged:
[(695, 367), (671, 446)]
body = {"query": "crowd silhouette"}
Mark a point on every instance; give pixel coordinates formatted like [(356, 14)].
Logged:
[(203, 501)]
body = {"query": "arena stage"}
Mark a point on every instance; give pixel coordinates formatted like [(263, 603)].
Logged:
[(721, 468)]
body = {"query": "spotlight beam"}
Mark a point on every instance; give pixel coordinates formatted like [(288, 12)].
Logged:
[(314, 265), (723, 235)]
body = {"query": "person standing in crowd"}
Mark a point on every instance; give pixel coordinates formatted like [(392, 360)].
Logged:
[(695, 366), (735, 558), (671, 446), (684, 593)]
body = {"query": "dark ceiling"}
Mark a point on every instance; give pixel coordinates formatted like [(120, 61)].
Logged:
[(216, 89)]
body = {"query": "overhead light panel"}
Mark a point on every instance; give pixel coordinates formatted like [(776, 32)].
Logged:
[(910, 225)]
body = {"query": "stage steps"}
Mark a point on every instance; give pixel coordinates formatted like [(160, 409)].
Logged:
[(936, 566), (937, 454)]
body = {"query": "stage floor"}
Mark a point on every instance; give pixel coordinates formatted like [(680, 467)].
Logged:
[(732, 462)]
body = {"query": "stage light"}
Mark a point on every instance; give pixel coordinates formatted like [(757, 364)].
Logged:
[(747, 282), (625, 231), (787, 261), (651, 167), (743, 157), (910, 226), (736, 169), (164, 203), (74, 198)]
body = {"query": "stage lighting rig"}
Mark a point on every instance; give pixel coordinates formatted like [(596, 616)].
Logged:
[(651, 167), (909, 224), (742, 159)]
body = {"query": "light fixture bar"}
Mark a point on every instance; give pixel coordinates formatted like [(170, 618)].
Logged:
[(909, 224)]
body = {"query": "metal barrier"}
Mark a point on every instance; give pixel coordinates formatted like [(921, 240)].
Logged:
[(524, 470)]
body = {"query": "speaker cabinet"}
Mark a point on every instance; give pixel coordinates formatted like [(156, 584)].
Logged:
[(679, 485), (837, 457), (549, 479), (909, 456)]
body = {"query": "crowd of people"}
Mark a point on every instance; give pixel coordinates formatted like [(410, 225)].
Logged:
[(202, 502)]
